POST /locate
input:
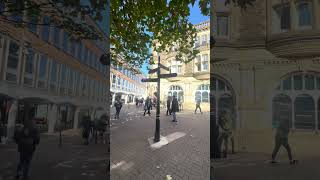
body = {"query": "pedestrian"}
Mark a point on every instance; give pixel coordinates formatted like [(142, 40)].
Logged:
[(86, 128), (147, 106), (180, 104), (281, 139), (225, 133), (198, 102), (169, 106), (174, 108), (118, 105), (27, 138)]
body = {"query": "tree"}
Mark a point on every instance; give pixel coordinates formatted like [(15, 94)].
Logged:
[(136, 26), (68, 15)]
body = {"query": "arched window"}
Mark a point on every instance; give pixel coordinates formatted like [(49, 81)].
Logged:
[(176, 91), (304, 112), (303, 86), (281, 109), (222, 98), (202, 93)]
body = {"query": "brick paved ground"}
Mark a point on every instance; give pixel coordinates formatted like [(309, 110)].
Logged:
[(185, 158), (72, 161), (247, 166)]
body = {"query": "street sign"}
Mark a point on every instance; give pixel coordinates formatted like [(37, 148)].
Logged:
[(168, 75), (149, 80), (151, 71), (164, 67)]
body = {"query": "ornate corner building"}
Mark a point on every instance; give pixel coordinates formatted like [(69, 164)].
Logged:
[(193, 78), (266, 64), (60, 77)]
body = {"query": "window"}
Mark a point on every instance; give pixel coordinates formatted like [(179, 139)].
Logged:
[(80, 48), (175, 91), (42, 71), (32, 26), (202, 93), (283, 17), (222, 25), (62, 81), (204, 40), (198, 63), (197, 42), (46, 29), (53, 72), (309, 82), (13, 62), (287, 83), (297, 81), (204, 62), (72, 47), (2, 6), (304, 9), (56, 37), (29, 68), (71, 81), (65, 41)]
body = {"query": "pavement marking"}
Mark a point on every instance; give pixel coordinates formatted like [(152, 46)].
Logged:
[(64, 164), (123, 165), (165, 140), (114, 166)]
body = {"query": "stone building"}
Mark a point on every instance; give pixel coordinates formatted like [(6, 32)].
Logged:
[(61, 78), (126, 83), (266, 63), (193, 78)]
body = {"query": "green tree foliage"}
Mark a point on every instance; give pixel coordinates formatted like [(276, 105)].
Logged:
[(137, 25)]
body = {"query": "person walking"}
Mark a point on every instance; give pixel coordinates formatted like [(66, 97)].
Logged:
[(147, 106), (169, 106), (174, 108), (198, 102), (118, 106), (86, 128), (27, 138), (225, 129), (281, 139)]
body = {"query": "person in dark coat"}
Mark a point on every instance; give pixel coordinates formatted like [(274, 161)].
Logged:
[(174, 108), (147, 106), (118, 105), (198, 102), (86, 128), (281, 139), (168, 106), (27, 138)]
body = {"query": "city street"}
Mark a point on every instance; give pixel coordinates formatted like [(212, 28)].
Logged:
[(72, 161), (185, 156), (245, 166)]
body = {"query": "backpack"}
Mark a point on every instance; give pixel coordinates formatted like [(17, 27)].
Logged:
[(27, 141)]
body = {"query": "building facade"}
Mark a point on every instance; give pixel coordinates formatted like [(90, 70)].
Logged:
[(60, 77), (266, 64), (126, 84), (193, 78)]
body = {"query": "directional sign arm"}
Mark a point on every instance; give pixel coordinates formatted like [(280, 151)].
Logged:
[(149, 80), (168, 75), (164, 67), (151, 71)]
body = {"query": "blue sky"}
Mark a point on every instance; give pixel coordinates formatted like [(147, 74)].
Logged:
[(195, 18)]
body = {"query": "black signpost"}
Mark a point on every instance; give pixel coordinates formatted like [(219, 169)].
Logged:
[(159, 76)]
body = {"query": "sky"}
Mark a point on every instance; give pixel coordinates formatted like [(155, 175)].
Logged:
[(195, 18)]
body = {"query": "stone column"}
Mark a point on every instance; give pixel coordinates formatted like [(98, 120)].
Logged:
[(76, 118), (12, 119), (52, 118)]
